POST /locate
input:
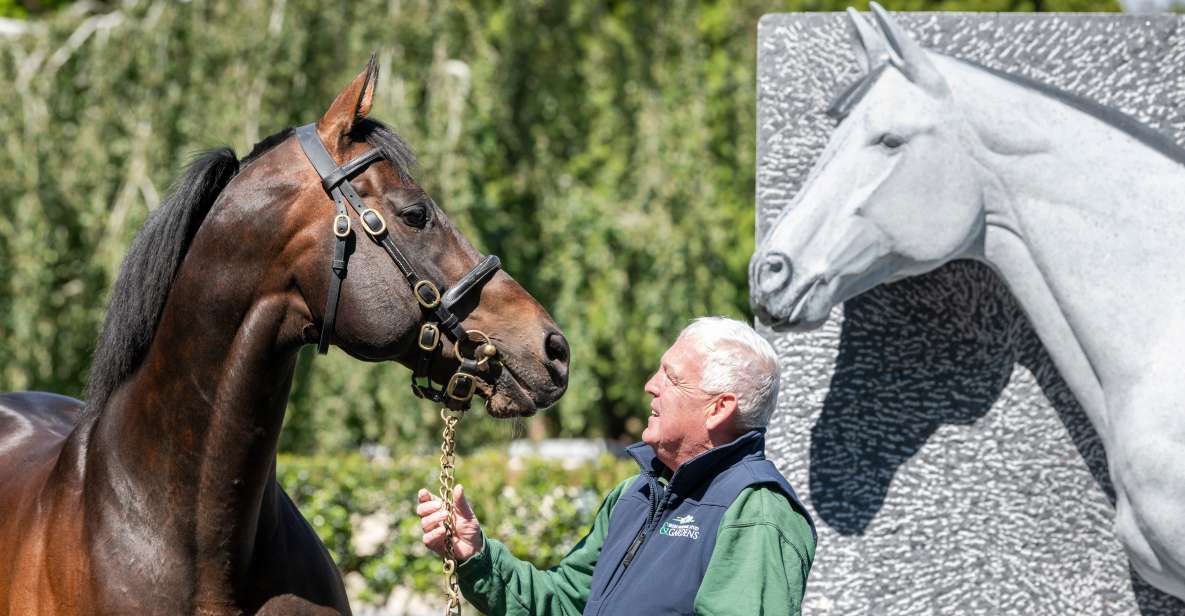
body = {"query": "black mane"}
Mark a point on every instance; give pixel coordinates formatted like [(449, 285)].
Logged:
[(387, 141), (143, 285), (140, 291), (373, 132)]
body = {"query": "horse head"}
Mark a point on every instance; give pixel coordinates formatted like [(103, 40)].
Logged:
[(378, 314), (896, 191)]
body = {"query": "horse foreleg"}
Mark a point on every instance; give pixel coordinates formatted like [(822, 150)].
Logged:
[(1146, 466), (1151, 561)]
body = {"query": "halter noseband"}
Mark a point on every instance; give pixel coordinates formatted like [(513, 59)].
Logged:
[(438, 313)]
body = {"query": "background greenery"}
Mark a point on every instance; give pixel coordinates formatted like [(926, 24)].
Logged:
[(604, 149), (537, 508)]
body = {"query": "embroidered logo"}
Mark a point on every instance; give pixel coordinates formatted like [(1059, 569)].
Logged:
[(682, 526)]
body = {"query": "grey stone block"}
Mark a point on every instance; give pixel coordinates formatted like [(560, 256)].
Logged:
[(950, 469)]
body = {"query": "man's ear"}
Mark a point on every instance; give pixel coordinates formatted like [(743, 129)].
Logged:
[(351, 105), (722, 413)]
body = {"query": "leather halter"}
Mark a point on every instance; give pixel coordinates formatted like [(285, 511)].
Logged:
[(438, 314)]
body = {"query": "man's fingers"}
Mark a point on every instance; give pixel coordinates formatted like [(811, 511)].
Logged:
[(433, 538), (429, 522), (425, 508), (433, 515), (462, 505)]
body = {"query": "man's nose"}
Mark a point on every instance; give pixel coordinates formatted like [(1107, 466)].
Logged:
[(650, 387)]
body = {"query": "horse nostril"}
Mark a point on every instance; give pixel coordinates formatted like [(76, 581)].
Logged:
[(556, 347), (774, 272), (557, 351)]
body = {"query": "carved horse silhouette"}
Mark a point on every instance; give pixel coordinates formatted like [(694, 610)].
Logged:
[(1077, 207), (159, 495)]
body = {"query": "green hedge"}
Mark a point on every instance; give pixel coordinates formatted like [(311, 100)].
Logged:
[(535, 506), (604, 148)]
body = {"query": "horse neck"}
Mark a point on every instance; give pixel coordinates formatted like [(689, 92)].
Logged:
[(185, 449), (1084, 223)]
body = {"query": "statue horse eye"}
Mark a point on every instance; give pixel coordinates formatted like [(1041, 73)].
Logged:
[(415, 216), (891, 141)]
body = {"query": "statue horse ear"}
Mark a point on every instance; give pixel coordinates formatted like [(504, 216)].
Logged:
[(908, 56), (872, 50), (351, 105)]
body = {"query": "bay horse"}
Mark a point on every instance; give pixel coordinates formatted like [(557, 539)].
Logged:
[(158, 495), (1077, 207)]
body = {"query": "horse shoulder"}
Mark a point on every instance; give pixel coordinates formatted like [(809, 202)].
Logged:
[(34, 427)]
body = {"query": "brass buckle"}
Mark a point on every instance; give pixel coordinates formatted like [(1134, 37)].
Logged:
[(432, 334), (485, 351), (344, 231), (416, 290), (458, 381), (382, 222)]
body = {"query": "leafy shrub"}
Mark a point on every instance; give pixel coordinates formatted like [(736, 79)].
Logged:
[(537, 507)]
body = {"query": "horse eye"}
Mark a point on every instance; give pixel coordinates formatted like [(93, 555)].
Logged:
[(415, 216), (891, 141)]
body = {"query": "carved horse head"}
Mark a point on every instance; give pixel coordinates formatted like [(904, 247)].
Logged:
[(896, 192)]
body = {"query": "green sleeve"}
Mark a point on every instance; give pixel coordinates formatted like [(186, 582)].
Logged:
[(763, 554), (498, 584)]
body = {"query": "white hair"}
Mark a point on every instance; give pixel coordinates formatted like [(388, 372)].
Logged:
[(739, 361)]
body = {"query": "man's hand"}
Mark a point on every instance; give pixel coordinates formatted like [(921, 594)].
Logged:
[(467, 540)]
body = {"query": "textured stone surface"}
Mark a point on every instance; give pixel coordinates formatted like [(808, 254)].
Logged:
[(949, 468)]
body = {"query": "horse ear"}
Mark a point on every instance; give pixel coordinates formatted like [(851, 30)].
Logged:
[(908, 55), (351, 105), (871, 48)]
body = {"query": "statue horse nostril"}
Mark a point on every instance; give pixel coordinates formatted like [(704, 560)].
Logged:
[(774, 272)]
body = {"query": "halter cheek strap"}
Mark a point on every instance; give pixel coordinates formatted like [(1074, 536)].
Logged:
[(438, 308)]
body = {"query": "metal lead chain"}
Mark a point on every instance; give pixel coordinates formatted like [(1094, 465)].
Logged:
[(447, 451)]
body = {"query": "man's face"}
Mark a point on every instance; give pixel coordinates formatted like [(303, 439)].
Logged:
[(676, 429)]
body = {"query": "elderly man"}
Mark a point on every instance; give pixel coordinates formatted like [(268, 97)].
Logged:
[(709, 526)]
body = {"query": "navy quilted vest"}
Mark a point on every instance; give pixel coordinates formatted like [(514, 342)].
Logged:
[(661, 537)]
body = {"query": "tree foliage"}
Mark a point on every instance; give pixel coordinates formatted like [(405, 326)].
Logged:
[(605, 149)]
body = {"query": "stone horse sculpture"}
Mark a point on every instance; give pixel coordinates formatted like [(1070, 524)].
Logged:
[(158, 495), (1081, 211)]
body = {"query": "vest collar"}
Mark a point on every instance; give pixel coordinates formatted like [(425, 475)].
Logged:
[(703, 467)]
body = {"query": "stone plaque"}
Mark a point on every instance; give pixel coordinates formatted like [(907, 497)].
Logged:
[(948, 465)]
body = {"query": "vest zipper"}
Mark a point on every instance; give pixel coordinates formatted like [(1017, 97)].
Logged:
[(629, 554), (656, 509), (657, 506)]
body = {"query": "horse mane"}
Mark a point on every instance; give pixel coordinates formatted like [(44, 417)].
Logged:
[(140, 291), (142, 287), (841, 105), (1114, 118), (394, 149)]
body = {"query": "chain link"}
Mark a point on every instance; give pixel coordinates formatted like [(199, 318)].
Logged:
[(447, 459)]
